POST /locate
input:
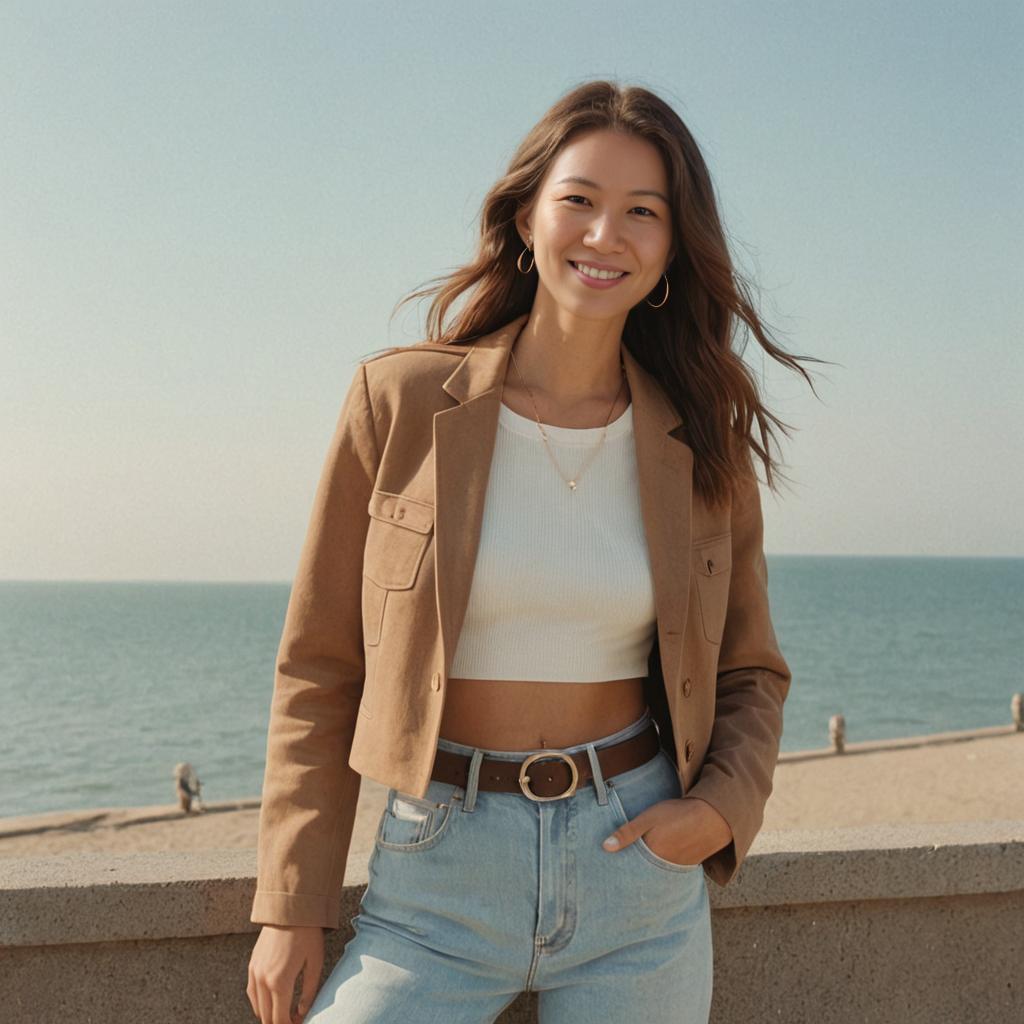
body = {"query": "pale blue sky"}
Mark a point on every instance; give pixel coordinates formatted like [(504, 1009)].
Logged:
[(209, 211)]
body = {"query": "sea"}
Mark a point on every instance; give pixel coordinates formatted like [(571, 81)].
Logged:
[(106, 686)]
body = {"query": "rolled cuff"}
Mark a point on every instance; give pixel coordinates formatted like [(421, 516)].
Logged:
[(722, 865), (295, 909)]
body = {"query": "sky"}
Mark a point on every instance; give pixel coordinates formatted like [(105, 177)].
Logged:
[(210, 210)]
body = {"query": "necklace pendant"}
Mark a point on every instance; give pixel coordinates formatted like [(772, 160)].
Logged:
[(572, 485)]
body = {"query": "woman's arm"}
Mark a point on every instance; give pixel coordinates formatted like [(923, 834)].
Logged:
[(753, 682), (309, 790)]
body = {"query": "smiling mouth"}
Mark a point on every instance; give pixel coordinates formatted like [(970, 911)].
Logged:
[(593, 271)]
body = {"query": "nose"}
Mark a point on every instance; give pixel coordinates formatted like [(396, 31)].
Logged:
[(603, 235)]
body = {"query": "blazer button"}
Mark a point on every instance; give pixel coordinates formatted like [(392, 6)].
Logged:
[(688, 750), (435, 681), (400, 514), (686, 687)]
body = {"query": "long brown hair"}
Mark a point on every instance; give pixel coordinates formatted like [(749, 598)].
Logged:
[(687, 345)]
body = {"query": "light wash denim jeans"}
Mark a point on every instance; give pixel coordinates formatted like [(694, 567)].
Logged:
[(476, 896)]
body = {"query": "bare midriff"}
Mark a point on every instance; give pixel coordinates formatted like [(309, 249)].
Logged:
[(504, 714)]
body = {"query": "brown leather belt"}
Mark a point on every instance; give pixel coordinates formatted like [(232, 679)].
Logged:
[(548, 774)]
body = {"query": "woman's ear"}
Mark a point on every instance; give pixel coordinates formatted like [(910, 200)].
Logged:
[(523, 226)]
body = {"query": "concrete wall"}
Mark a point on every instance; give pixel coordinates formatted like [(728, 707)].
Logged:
[(916, 923)]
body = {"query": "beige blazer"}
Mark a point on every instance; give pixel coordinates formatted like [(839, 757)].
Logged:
[(381, 590)]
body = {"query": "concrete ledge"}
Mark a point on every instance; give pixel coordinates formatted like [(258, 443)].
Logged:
[(878, 862), (93, 897), (883, 923), (102, 897)]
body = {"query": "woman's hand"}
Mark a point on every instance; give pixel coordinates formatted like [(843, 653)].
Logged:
[(281, 951), (685, 830)]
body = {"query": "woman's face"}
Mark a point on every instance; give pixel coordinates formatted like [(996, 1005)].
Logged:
[(614, 215)]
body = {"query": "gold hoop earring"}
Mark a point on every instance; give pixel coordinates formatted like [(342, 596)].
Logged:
[(658, 305), (519, 261)]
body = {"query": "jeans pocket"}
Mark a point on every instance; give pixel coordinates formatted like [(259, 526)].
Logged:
[(632, 792), (409, 824)]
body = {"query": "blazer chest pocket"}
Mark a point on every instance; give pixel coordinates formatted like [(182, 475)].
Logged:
[(712, 564), (396, 540)]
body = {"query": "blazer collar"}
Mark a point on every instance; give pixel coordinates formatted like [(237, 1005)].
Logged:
[(464, 439)]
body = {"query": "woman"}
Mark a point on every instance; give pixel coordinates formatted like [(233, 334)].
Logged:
[(532, 602)]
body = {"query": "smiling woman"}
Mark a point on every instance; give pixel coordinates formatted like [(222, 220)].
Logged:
[(532, 602)]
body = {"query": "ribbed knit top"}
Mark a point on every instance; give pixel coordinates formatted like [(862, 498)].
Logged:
[(562, 587)]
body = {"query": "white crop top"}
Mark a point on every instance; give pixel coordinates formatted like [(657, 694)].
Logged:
[(562, 588)]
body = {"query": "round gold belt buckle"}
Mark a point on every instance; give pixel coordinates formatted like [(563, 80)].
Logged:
[(524, 779)]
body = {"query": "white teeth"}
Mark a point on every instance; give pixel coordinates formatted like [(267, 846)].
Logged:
[(601, 275)]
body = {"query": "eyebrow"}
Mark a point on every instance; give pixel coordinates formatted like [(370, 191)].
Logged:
[(575, 179)]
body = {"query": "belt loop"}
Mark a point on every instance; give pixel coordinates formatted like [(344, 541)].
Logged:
[(595, 767), (473, 781)]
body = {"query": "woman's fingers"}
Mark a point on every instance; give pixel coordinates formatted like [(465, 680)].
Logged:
[(265, 1003), (250, 991), (281, 1001), (310, 983), (273, 1000), (280, 954)]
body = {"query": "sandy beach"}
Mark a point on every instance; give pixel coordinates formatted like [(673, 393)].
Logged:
[(949, 777)]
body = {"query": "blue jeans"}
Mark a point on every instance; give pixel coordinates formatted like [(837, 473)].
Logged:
[(476, 896)]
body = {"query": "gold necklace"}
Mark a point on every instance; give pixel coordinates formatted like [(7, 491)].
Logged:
[(593, 452)]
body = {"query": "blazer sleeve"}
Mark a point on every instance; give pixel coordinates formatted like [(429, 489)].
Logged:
[(309, 791), (753, 681)]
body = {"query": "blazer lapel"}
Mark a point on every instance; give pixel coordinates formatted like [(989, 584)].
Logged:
[(464, 439)]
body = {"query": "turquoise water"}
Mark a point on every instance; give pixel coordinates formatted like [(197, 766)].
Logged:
[(104, 687)]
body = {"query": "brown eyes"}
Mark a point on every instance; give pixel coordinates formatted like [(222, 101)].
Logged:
[(584, 198)]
